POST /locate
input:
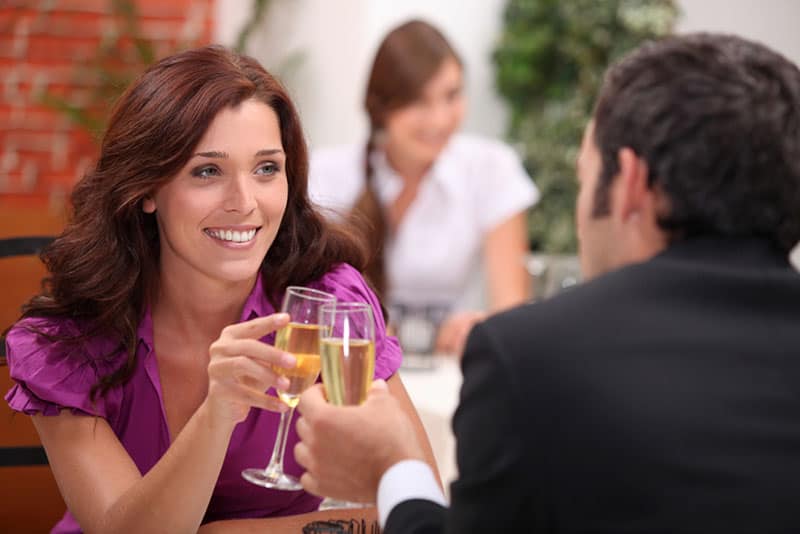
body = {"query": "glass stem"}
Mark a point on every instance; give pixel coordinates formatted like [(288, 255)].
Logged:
[(275, 467)]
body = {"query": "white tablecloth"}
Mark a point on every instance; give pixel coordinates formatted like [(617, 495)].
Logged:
[(434, 393)]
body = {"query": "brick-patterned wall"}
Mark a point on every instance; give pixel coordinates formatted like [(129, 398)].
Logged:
[(42, 42)]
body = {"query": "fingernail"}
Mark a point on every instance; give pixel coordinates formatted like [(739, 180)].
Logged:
[(282, 316), (288, 359)]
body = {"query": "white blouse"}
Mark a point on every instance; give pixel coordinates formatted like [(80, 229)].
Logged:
[(475, 184)]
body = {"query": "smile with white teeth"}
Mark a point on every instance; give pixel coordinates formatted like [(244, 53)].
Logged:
[(232, 235)]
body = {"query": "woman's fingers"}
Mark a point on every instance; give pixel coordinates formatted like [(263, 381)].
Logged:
[(243, 395), (253, 348), (256, 328), (259, 399), (240, 369), (245, 370)]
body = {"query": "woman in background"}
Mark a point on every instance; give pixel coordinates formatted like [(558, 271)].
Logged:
[(436, 206), (143, 356)]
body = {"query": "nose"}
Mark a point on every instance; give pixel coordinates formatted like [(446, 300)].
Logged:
[(240, 195)]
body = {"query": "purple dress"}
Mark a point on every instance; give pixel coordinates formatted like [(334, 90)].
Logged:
[(48, 379)]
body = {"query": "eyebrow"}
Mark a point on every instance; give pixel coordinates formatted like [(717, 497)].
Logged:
[(224, 155)]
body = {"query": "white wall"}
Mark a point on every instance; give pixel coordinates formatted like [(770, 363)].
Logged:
[(775, 23), (338, 39)]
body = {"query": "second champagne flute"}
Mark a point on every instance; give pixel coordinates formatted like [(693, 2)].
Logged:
[(347, 346), (300, 337)]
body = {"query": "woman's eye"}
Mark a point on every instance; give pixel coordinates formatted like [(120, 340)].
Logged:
[(268, 169), (206, 171)]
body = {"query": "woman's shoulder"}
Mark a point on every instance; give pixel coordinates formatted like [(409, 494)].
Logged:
[(57, 331), (29, 331), (345, 282), (55, 365)]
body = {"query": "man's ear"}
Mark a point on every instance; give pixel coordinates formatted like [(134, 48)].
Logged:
[(148, 205), (633, 195)]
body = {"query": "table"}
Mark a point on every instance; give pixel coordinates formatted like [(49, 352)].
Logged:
[(434, 393)]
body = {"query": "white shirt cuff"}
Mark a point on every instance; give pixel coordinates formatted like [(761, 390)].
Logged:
[(406, 480)]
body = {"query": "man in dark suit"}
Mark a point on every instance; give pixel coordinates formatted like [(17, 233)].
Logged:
[(662, 395)]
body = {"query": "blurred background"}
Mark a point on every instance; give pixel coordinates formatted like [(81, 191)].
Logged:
[(532, 70), (533, 67)]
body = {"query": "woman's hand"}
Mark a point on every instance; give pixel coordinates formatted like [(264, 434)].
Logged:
[(240, 370), (453, 331)]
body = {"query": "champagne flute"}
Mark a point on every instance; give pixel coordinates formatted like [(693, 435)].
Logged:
[(300, 337), (347, 347)]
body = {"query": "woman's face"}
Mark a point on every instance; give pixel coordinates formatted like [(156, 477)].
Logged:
[(220, 214), (418, 132)]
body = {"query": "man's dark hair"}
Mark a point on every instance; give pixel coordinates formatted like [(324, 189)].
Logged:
[(717, 119)]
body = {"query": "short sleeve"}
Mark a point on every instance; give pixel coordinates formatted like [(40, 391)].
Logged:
[(50, 376), (348, 285), (506, 189)]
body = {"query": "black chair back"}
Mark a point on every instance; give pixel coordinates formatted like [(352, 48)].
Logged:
[(10, 248)]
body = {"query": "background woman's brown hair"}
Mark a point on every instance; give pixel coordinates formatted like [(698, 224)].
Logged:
[(104, 266), (407, 58)]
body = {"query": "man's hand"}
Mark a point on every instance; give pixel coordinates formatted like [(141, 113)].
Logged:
[(346, 449)]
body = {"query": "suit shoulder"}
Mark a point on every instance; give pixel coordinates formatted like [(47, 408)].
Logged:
[(570, 317)]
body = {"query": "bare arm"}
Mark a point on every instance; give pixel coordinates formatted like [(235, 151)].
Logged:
[(103, 487), (398, 391), (505, 247), (101, 484)]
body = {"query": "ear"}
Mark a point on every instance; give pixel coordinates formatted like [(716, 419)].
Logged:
[(148, 205), (634, 196)]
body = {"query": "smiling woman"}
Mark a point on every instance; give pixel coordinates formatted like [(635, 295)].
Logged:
[(223, 209), (142, 358), (436, 206)]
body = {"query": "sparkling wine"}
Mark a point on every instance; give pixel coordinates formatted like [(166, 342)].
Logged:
[(302, 340), (347, 369)]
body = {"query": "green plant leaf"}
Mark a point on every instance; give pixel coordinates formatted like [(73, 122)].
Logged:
[(550, 61)]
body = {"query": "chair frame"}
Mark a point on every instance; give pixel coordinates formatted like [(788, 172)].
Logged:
[(9, 248)]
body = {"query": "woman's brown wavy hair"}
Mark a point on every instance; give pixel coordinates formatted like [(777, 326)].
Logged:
[(104, 265), (407, 58)]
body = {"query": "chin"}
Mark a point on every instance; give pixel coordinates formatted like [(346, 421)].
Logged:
[(429, 154), (239, 273)]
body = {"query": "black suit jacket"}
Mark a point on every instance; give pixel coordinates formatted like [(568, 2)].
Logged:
[(662, 397)]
